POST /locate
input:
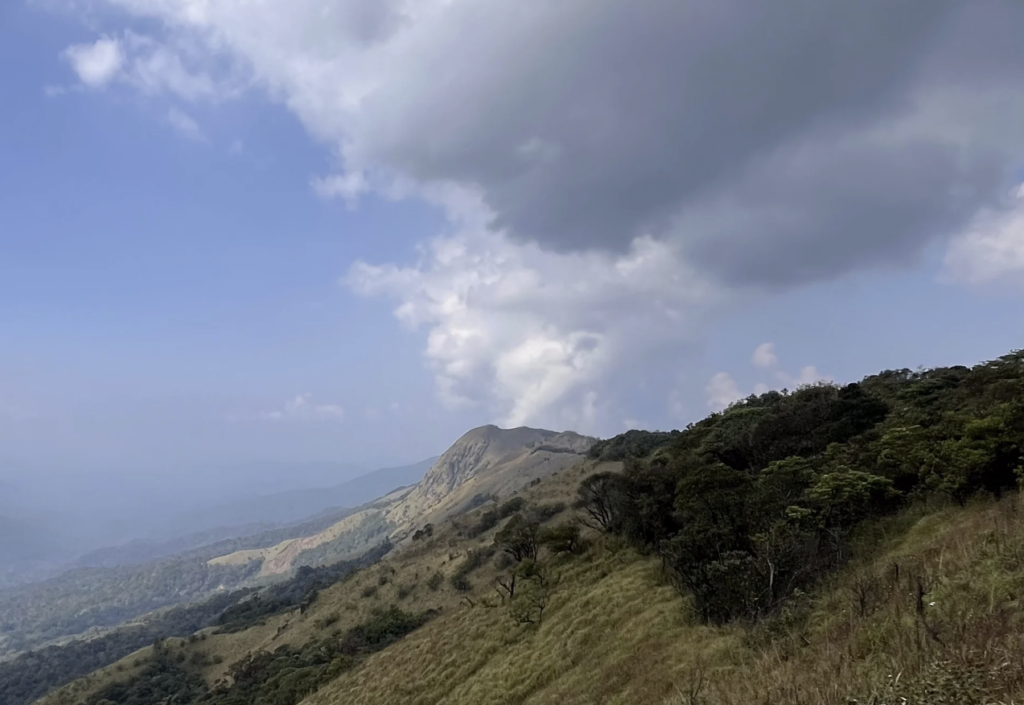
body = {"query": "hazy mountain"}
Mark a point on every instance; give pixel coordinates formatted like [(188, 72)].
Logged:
[(482, 462), (44, 531)]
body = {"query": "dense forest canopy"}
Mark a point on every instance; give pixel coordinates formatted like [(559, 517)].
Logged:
[(760, 500)]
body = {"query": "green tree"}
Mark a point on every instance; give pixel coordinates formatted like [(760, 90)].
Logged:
[(518, 538)]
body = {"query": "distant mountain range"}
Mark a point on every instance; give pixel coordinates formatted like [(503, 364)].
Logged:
[(31, 550)]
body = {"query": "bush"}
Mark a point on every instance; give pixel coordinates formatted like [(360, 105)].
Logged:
[(564, 538), (370, 591), (488, 520), (510, 507), (543, 512), (435, 581)]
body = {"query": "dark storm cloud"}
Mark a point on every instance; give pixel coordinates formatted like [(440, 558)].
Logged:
[(754, 132)]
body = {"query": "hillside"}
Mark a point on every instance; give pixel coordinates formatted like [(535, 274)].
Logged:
[(836, 544), (485, 461)]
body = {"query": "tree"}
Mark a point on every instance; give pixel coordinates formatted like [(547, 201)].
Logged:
[(518, 538), (598, 496), (564, 538), (845, 497)]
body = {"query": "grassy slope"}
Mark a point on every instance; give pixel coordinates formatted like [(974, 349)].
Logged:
[(614, 633), (277, 559), (346, 602)]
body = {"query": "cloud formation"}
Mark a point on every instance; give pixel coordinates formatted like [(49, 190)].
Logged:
[(722, 391), (98, 63), (764, 355), (641, 142), (535, 336), (992, 249), (153, 67)]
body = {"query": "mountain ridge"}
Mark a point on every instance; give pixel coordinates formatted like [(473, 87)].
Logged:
[(484, 461)]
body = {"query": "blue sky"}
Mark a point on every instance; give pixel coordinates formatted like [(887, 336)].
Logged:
[(175, 294)]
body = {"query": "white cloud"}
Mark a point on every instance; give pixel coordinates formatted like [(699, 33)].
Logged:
[(98, 63), (181, 69), (764, 356), (349, 186), (300, 408), (184, 124), (496, 337), (722, 391), (992, 249)]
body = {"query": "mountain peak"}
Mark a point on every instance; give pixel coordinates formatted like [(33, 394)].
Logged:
[(490, 459)]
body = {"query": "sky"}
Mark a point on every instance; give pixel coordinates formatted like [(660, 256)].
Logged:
[(350, 230)]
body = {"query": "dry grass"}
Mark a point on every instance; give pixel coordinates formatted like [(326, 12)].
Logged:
[(932, 616), (609, 621)]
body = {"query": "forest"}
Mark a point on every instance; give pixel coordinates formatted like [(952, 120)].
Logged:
[(760, 501)]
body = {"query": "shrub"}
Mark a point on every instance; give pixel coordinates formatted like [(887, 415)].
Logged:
[(488, 520), (544, 512), (564, 538), (510, 507), (435, 581)]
